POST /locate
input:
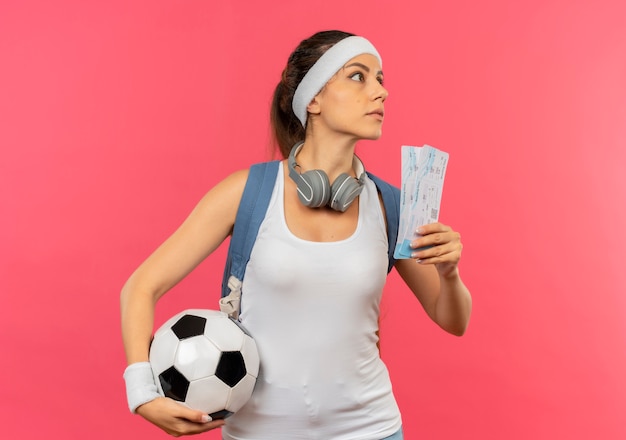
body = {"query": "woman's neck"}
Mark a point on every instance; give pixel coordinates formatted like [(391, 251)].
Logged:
[(333, 154)]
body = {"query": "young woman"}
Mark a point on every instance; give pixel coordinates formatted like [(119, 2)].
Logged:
[(315, 277)]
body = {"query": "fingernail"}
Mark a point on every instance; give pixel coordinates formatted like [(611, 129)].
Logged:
[(206, 418), (419, 231)]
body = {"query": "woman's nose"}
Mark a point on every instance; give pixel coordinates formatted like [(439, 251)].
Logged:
[(380, 92)]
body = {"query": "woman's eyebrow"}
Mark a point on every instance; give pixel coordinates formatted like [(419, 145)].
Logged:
[(362, 66)]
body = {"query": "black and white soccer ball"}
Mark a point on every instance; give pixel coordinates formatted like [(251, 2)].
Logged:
[(205, 360)]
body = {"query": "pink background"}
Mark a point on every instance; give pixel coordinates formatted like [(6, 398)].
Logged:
[(117, 116)]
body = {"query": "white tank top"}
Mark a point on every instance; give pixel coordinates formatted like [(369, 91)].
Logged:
[(312, 308)]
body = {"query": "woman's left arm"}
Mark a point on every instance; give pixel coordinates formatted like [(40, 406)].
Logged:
[(433, 276)]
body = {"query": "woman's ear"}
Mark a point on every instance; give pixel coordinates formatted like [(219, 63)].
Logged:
[(314, 107)]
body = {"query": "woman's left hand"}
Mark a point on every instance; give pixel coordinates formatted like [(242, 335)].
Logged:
[(440, 245)]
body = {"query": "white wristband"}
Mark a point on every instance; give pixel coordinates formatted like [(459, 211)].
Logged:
[(140, 386)]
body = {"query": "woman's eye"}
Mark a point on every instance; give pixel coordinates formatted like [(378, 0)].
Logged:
[(358, 76)]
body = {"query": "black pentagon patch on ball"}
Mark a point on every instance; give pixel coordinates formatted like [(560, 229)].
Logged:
[(174, 384), (189, 326), (231, 368), (220, 414)]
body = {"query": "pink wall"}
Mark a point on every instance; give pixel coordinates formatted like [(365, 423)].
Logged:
[(115, 117)]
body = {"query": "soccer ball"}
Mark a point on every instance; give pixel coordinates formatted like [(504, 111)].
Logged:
[(206, 360)]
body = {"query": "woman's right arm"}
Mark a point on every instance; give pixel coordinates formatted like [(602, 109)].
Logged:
[(210, 222)]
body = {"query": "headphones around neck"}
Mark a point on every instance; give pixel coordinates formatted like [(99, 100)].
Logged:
[(315, 190)]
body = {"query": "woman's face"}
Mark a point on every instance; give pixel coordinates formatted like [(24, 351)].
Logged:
[(352, 102)]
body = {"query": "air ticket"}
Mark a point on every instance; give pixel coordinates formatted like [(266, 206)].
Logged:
[(423, 173)]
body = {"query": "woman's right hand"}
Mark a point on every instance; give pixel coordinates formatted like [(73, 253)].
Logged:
[(176, 419)]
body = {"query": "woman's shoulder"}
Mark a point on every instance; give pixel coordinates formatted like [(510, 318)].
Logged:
[(238, 177), (233, 185)]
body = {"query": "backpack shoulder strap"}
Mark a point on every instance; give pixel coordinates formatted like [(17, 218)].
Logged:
[(250, 214), (391, 202)]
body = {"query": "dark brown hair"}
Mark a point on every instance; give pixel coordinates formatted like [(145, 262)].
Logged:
[(286, 128)]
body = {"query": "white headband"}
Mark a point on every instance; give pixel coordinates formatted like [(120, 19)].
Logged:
[(324, 69)]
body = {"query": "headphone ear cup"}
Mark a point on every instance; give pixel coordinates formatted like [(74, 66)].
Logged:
[(314, 188), (344, 190)]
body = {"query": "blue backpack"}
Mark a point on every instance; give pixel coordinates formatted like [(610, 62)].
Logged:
[(252, 208)]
